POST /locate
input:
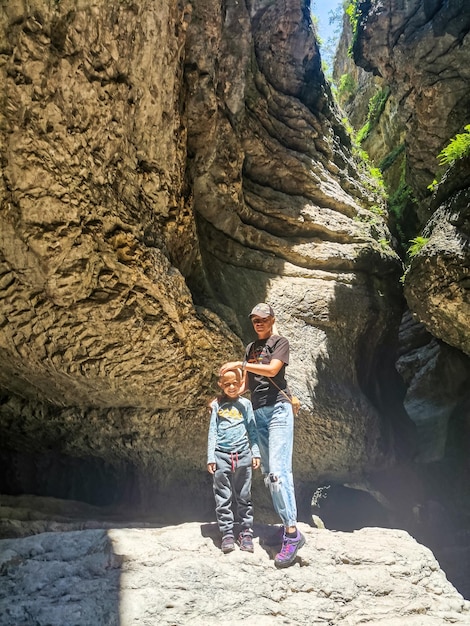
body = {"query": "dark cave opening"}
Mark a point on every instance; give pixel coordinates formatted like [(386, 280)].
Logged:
[(347, 509), (50, 474)]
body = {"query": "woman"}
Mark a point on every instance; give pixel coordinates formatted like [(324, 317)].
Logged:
[(264, 366)]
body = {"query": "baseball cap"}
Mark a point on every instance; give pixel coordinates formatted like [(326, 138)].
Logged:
[(262, 310)]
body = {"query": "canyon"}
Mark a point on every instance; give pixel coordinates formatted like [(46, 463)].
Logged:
[(167, 165)]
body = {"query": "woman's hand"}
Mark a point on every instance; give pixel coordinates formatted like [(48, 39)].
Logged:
[(211, 467), (232, 365), (255, 462)]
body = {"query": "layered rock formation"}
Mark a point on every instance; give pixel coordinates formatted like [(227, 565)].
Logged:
[(421, 51), (437, 286), (164, 168)]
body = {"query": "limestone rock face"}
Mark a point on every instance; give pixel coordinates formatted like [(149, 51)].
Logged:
[(94, 311), (178, 575), (165, 166), (421, 50), (357, 88), (437, 285)]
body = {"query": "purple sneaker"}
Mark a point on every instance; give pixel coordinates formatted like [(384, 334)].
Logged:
[(290, 547)]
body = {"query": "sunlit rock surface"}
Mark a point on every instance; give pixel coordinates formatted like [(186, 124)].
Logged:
[(178, 575), (421, 51)]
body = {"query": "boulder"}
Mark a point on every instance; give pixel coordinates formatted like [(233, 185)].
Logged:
[(178, 575)]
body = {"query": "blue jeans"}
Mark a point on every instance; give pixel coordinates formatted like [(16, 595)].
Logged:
[(275, 426)]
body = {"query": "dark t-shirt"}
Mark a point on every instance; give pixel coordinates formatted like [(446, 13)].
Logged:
[(263, 391)]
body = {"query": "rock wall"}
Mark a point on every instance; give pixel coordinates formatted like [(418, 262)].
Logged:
[(437, 285), (420, 51), (164, 167)]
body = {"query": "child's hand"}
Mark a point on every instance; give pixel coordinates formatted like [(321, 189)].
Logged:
[(255, 462), (211, 468)]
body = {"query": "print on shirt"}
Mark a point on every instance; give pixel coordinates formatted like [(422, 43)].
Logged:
[(257, 354), (229, 413)]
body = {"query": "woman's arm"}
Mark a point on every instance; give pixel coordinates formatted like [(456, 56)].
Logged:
[(265, 369)]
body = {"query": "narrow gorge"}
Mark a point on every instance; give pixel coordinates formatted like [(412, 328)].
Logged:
[(165, 166)]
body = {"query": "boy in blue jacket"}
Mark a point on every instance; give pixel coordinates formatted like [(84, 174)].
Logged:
[(232, 453)]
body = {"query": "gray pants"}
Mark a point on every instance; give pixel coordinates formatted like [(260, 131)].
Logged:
[(232, 484)]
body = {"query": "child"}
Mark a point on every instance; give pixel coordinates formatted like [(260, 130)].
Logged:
[(232, 432)]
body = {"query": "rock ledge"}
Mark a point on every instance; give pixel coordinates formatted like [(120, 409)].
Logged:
[(176, 575)]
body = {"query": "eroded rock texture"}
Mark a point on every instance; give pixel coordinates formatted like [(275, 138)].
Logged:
[(438, 286), (421, 50), (165, 166), (436, 377)]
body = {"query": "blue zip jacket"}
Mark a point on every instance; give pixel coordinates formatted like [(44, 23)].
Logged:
[(232, 427)]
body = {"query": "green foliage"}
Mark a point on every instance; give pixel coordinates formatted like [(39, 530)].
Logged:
[(347, 87), (348, 127), (377, 104), (399, 199), (353, 12), (376, 107), (326, 69), (376, 173), (371, 172), (457, 148), (384, 243), (416, 245), (328, 46), (377, 210), (315, 24), (391, 157), (363, 132)]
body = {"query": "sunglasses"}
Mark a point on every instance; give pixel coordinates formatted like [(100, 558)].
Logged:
[(259, 320)]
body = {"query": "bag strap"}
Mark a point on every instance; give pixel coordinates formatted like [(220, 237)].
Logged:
[(281, 390)]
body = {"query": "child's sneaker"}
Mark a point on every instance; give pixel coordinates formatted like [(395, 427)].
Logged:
[(290, 547), (228, 544), (245, 541)]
